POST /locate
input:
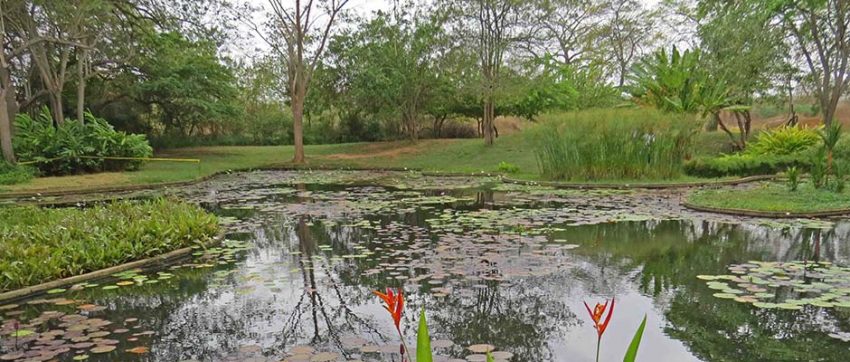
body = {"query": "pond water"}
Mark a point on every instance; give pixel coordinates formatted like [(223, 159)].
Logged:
[(491, 263)]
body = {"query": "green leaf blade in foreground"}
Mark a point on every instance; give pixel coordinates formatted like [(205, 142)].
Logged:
[(631, 353), (423, 341)]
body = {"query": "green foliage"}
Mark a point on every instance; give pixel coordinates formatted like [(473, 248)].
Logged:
[(423, 340), (671, 82), (43, 244), (631, 352), (793, 174), (75, 148), (189, 85), (745, 165), (15, 174), (818, 169), (613, 144), (507, 167), (783, 141), (838, 183), (830, 137)]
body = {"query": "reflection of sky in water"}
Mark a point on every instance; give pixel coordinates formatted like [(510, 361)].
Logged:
[(276, 300)]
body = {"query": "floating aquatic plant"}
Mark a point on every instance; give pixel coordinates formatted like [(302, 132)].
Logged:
[(784, 285)]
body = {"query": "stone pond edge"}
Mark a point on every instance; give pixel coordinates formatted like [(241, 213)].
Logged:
[(767, 214)]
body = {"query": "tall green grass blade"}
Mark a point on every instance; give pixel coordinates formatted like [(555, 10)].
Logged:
[(631, 353), (490, 357), (423, 340)]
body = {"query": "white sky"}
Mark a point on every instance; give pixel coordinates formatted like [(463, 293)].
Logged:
[(253, 45)]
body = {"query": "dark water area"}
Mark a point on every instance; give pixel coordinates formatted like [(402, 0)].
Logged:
[(509, 266)]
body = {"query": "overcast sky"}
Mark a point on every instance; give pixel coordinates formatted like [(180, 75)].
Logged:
[(253, 44)]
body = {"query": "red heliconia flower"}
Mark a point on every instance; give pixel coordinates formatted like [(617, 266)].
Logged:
[(597, 313), (394, 304)]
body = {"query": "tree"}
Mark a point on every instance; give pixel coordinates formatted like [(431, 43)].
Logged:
[(566, 30), (819, 29), (628, 31), (187, 82), (8, 105), (494, 26), (299, 39), (743, 51)]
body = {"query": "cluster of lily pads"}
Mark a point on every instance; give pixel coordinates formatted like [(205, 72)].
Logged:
[(784, 285), (70, 329)]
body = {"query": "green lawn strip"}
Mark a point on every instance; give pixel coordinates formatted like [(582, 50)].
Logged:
[(442, 155), (43, 244), (772, 197)]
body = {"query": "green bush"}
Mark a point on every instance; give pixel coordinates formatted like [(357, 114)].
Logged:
[(783, 141), (507, 167), (614, 144), (14, 174), (42, 244), (73, 147), (745, 165)]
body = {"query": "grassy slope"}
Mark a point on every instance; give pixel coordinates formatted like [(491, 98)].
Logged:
[(773, 197)]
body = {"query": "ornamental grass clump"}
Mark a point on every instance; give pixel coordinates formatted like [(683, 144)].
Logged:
[(614, 144)]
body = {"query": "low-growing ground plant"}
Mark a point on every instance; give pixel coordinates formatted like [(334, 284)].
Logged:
[(42, 244), (783, 141), (614, 144)]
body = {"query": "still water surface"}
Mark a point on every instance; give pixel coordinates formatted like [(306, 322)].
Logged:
[(497, 264)]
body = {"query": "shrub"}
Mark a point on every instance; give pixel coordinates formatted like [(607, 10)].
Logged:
[(507, 167), (73, 147), (42, 244), (614, 144), (793, 174), (745, 165), (14, 174), (783, 141)]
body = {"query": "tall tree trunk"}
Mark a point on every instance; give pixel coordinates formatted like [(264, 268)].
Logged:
[(81, 86), (298, 125), (5, 128), (8, 109), (488, 121)]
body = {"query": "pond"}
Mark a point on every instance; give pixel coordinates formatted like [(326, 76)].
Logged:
[(491, 263)]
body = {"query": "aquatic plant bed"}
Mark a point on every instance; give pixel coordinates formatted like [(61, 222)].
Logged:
[(43, 244), (497, 267), (773, 197)]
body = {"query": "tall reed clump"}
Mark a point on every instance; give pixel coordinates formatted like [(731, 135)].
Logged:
[(613, 144), (42, 244)]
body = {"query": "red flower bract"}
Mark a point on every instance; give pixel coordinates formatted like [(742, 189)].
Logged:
[(597, 313), (394, 304)]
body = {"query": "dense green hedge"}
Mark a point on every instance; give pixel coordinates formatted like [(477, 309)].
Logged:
[(15, 174), (745, 165), (42, 244), (74, 147)]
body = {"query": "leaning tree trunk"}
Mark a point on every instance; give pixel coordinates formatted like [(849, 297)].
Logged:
[(55, 99)]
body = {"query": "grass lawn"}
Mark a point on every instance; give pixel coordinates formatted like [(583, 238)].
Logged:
[(773, 197), (443, 155)]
